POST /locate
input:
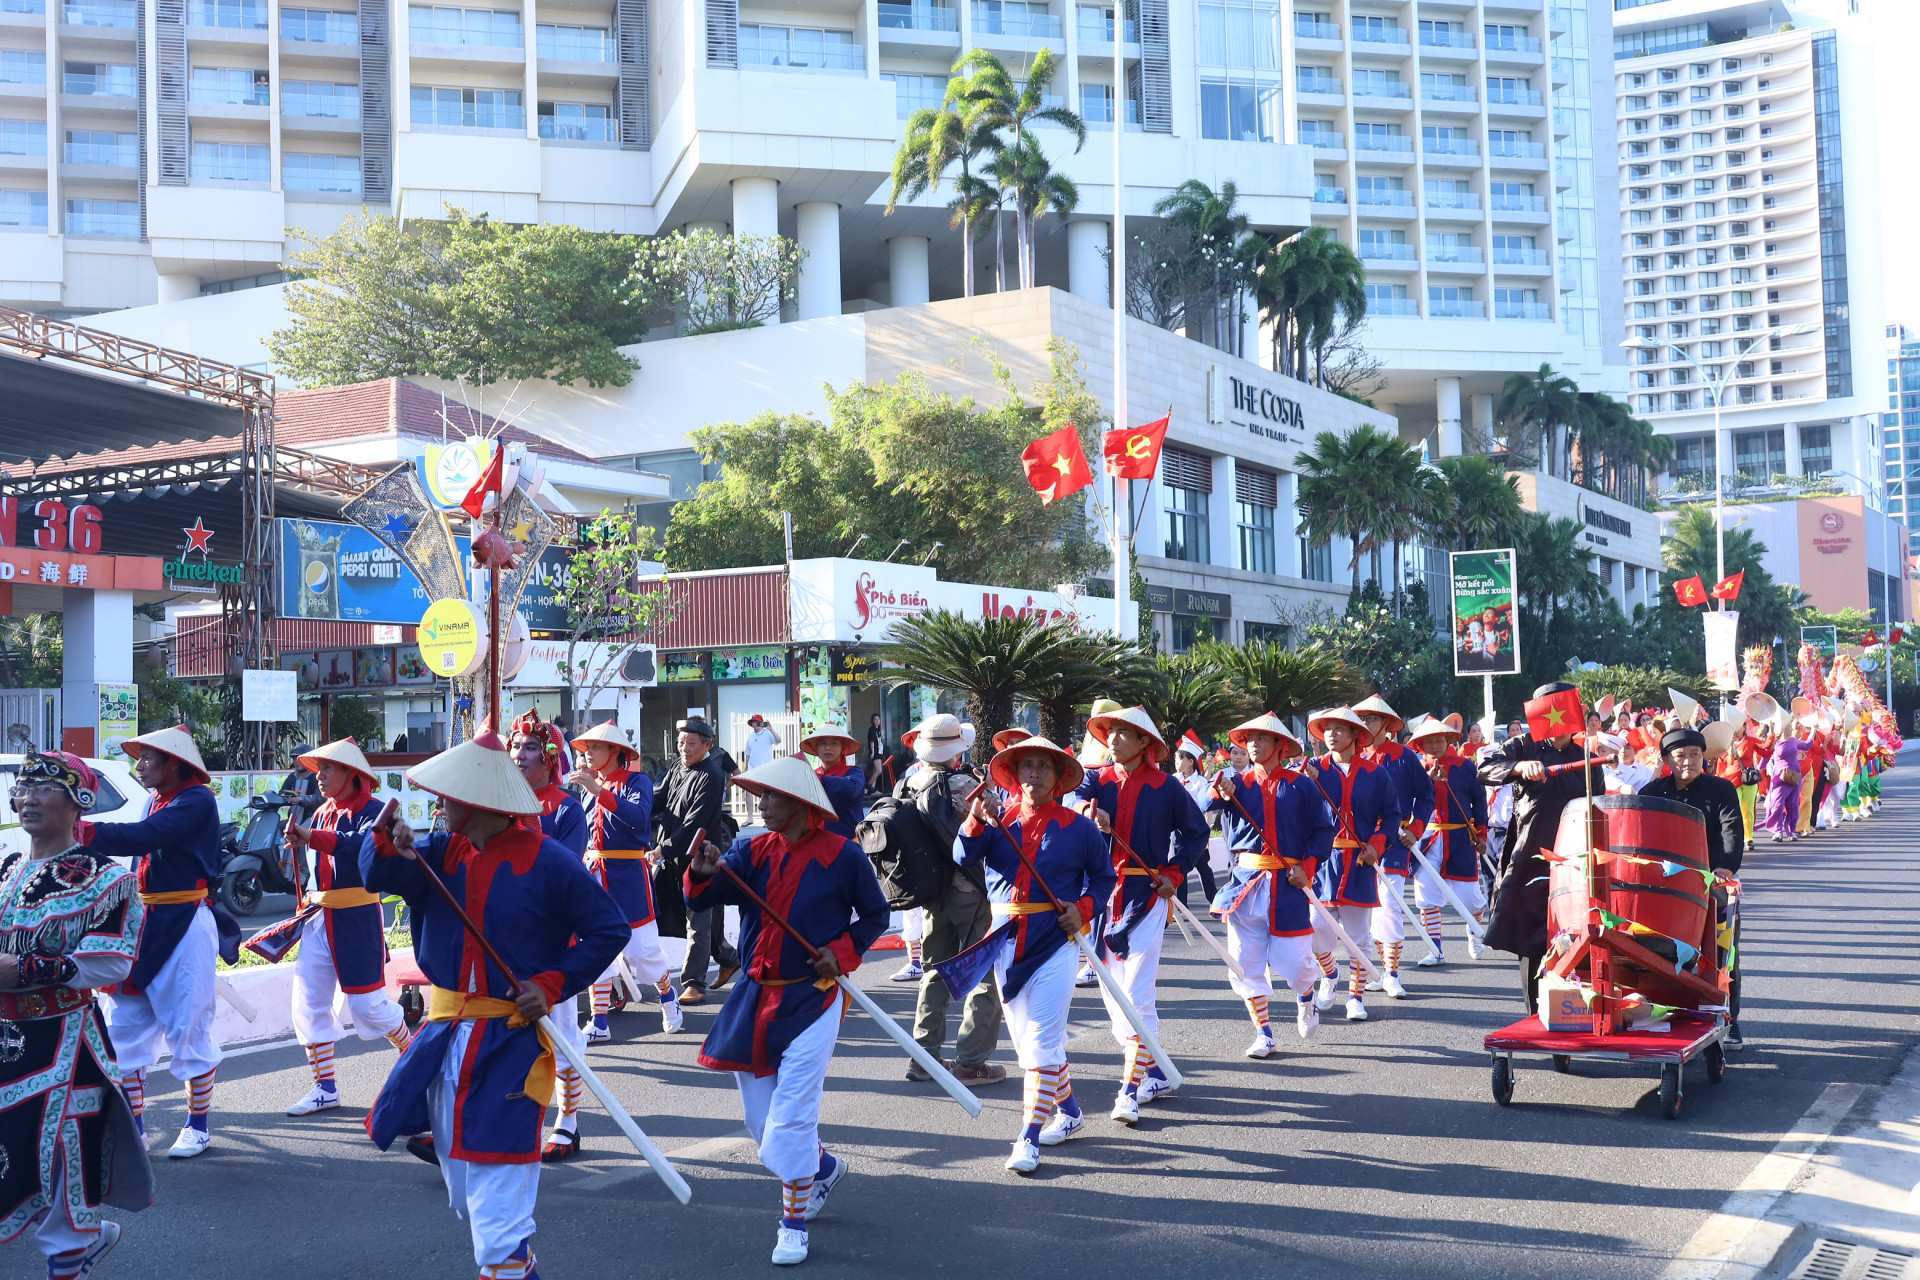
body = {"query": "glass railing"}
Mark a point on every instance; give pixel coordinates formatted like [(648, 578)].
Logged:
[(1520, 257), (315, 26), (1514, 97), (489, 31), (787, 58), (1319, 84), (340, 104), (1452, 200), (1449, 93), (1381, 89), (1391, 199), (23, 6), (115, 83), (1099, 111), (1518, 150), (1329, 195), (119, 154), (1380, 35), (1308, 29), (1458, 309), (321, 180), (102, 218), (1386, 252), (228, 13), (23, 209), (1453, 253), (1521, 311), (1446, 40), (219, 168), (1520, 204), (101, 13), (1326, 140), (23, 138), (1450, 146), (575, 46), (1040, 26), (237, 95), (1392, 307), (581, 130), (1383, 142), (1512, 44), (470, 115), (927, 17)]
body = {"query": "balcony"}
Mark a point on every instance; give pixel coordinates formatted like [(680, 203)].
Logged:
[(1392, 307), (1449, 93), (234, 14), (476, 27), (24, 6), (1450, 147), (1521, 311), (1381, 89), (1514, 97), (23, 138), (232, 95), (1018, 22), (117, 82), (584, 129), (1500, 149), (1453, 200), (1308, 29), (309, 173), (1092, 27), (780, 55), (1329, 195), (320, 27), (115, 151), (102, 218), (1458, 309), (940, 17), (1445, 40), (1380, 35), (1456, 253), (1329, 85), (1519, 257), (1386, 252), (466, 109), (101, 13), (1519, 204), (326, 102), (1387, 199), (1397, 144), (1325, 140), (23, 209), (575, 45), (1513, 44), (1097, 113)]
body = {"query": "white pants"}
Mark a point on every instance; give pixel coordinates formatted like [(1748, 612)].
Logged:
[(1355, 920), (1138, 973), (1389, 922), (495, 1199), (316, 984), (566, 1017), (913, 925), (1427, 891), (1263, 957), (56, 1232), (175, 1010), (783, 1109), (1037, 1017), (643, 953)]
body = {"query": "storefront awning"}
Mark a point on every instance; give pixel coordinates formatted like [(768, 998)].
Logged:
[(49, 410)]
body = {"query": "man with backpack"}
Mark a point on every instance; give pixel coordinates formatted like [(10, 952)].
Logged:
[(910, 840)]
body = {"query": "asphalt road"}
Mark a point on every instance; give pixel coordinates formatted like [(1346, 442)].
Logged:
[(1375, 1150)]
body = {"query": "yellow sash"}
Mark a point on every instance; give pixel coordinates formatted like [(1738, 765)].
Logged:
[(458, 1006), (1260, 862), (598, 854), (173, 897), (1021, 908), (340, 899), (1341, 842), (1448, 826)]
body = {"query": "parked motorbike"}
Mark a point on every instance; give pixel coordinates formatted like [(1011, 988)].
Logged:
[(256, 859)]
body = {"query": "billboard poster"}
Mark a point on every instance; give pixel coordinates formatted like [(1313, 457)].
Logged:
[(338, 572), (119, 718), (1486, 621), (1825, 641)]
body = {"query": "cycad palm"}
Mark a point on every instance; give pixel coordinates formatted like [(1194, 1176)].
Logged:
[(990, 662), (1089, 667), (1287, 682), (1190, 693)]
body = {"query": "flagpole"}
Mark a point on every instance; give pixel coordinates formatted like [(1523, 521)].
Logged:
[(1125, 621)]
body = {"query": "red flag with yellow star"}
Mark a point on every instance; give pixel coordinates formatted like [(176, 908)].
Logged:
[(1057, 465), (1555, 715), (1134, 454)]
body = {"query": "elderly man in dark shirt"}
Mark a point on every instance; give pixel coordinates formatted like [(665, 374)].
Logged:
[(1518, 921), (690, 799), (1718, 801)]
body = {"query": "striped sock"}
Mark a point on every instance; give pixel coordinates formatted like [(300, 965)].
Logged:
[(915, 950), (602, 1001), (1356, 981), (569, 1095), (1137, 1059), (517, 1267), (665, 988), (400, 1038), (1393, 956), (135, 1083), (1063, 1098), (1430, 916), (200, 1099), (1257, 1010), (793, 1203), (1327, 966), (320, 1062), (1038, 1100), (65, 1266)]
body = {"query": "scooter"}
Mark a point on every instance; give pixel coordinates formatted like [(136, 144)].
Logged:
[(257, 860)]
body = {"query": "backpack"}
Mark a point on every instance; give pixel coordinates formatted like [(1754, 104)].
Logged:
[(910, 848)]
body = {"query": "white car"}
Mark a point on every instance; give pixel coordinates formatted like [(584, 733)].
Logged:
[(119, 799)]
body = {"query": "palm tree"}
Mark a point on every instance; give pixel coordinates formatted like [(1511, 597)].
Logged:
[(1303, 287), (990, 662), (1024, 176), (1010, 110), (1089, 666), (1287, 682), (1227, 255), (1554, 567), (936, 140), (1189, 693), (1352, 486), (1538, 403), (1485, 506)]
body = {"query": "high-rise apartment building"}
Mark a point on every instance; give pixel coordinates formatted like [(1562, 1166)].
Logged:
[(157, 149), (1902, 416), (1750, 222), (1458, 150)]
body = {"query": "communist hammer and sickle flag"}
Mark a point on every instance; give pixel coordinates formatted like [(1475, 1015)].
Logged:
[(1134, 453)]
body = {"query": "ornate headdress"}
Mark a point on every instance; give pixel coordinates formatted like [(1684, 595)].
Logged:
[(553, 744), (68, 772)]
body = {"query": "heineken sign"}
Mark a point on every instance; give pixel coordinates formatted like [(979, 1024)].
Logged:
[(201, 575)]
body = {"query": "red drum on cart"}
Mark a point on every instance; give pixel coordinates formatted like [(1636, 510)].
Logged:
[(1640, 827)]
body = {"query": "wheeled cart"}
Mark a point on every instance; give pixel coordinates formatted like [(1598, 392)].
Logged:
[(1692, 1035)]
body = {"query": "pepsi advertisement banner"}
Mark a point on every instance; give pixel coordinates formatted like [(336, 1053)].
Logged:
[(338, 572)]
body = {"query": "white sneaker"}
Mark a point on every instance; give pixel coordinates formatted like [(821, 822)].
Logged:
[(1060, 1128), (1392, 986), (317, 1099), (1262, 1046), (672, 1017), (1025, 1157), (1476, 948), (189, 1144), (1126, 1109), (1356, 1011), (823, 1187), (908, 972), (1373, 983), (1308, 1020), (1153, 1088), (596, 1036), (1433, 960), (100, 1248), (789, 1247), (1329, 987)]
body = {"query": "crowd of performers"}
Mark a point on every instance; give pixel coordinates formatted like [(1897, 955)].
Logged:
[(1062, 864)]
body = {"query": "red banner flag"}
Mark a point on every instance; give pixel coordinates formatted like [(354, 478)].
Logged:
[(1555, 716), (1869, 640), (1057, 465), (1135, 454), (1691, 591), (489, 483), (1895, 636), (1729, 588)]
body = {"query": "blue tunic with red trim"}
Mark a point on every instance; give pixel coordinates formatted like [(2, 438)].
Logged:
[(1156, 818), (549, 920), (176, 847), (1366, 809), (846, 787), (1460, 801), (355, 935), (622, 820), (562, 818), (1414, 788), (1295, 825), (824, 887), (1072, 858)]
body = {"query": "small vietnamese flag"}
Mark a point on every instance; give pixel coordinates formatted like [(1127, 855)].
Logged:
[(1895, 636), (1691, 591), (1555, 716), (1135, 454), (1869, 640), (488, 484), (1057, 465), (1729, 588)]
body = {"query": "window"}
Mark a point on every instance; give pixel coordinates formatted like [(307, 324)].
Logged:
[(1516, 196), (1239, 110), (230, 162), (23, 137), (1378, 84), (1455, 301), (580, 44), (578, 122), (23, 208), (340, 174), (912, 92), (92, 146), (1378, 30), (1513, 39), (319, 26), (1242, 33), (1014, 18), (246, 15), (1816, 450), (312, 98), (1184, 632), (1383, 245), (96, 79), (1317, 80), (1186, 481), (467, 108), (1256, 495), (1264, 632), (1389, 300), (1316, 561), (236, 86), (444, 24), (1514, 90), (1518, 304), (102, 217)]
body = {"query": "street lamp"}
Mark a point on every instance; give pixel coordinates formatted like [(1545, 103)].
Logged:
[(1714, 386)]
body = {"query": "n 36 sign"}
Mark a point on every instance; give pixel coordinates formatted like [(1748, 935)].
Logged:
[(73, 528)]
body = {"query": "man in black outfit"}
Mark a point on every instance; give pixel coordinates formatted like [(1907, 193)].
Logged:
[(690, 800), (1518, 922), (1719, 803)]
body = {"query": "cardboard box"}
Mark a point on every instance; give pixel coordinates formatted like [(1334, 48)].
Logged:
[(1561, 1008)]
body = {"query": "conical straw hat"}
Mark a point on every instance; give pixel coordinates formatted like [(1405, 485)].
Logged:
[(1343, 715), (1101, 724), (826, 731), (480, 773), (790, 776), (344, 752), (1266, 722), (175, 742), (608, 732), (1377, 705), (1071, 770)]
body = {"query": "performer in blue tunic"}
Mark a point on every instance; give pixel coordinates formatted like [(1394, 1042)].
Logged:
[(844, 781), (168, 999), (1143, 808), (1414, 788), (1366, 810), (341, 931), (1264, 903), (479, 1074), (1457, 835), (1031, 947), (777, 1030)]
